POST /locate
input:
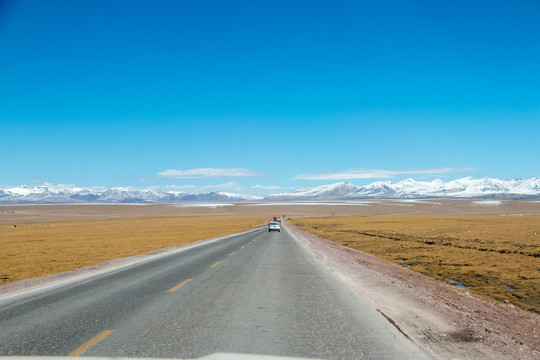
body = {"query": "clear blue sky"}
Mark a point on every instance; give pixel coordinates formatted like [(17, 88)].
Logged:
[(277, 94)]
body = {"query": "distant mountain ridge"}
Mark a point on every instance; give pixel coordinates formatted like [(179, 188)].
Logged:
[(466, 188), (119, 195), (323, 192)]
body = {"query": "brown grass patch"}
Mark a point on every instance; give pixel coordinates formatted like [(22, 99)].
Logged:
[(35, 250), (498, 257)]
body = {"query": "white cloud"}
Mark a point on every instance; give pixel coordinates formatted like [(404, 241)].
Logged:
[(205, 173), (174, 187), (228, 186), (375, 173), (38, 179), (59, 186), (267, 187), (231, 185)]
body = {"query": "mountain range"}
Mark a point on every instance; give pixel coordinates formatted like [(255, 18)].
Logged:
[(466, 188)]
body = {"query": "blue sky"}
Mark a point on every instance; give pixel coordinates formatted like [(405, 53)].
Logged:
[(259, 97)]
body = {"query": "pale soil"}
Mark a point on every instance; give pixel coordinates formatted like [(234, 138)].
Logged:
[(24, 214), (446, 322)]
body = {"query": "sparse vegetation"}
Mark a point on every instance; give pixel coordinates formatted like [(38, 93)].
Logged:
[(495, 257), (35, 250)]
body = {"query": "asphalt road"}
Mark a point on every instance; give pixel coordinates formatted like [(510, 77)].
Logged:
[(256, 293)]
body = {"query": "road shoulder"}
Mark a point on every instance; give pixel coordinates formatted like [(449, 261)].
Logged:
[(24, 287), (445, 322)]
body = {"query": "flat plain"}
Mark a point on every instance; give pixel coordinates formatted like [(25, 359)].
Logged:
[(486, 246), (32, 250), (21, 214), (495, 257)]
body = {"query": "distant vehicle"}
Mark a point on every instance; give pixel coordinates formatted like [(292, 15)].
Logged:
[(274, 226)]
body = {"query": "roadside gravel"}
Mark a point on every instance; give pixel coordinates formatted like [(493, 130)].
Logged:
[(446, 322)]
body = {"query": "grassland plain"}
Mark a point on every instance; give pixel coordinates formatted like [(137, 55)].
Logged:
[(494, 257), (39, 249)]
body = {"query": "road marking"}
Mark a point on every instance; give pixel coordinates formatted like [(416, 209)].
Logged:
[(93, 341), (216, 264), (173, 289), (232, 253)]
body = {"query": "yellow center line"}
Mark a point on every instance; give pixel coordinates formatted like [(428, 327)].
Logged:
[(232, 253), (173, 289), (93, 341), (216, 264)]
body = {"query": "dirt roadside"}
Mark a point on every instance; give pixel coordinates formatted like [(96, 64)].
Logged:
[(446, 322)]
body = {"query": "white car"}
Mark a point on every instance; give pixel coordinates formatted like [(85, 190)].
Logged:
[(274, 226)]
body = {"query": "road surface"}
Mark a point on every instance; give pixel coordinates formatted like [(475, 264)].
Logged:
[(254, 293)]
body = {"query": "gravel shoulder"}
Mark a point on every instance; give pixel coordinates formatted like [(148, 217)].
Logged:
[(446, 322)]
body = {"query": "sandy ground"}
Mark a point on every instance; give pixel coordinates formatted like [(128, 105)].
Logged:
[(20, 214), (447, 322)]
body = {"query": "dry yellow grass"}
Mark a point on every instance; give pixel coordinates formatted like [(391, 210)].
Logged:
[(498, 257), (34, 250)]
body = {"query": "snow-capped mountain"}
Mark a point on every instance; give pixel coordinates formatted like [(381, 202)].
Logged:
[(411, 189), (460, 188), (51, 194), (466, 188), (323, 192)]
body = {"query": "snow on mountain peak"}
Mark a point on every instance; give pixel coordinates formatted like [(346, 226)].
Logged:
[(329, 191), (461, 188), (52, 194), (406, 189), (19, 190)]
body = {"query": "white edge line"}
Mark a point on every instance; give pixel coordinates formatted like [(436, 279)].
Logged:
[(6, 299)]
